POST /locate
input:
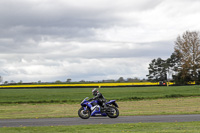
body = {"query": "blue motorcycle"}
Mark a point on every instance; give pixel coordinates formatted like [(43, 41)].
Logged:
[(93, 109)]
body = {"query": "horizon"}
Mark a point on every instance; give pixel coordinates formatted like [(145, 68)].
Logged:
[(89, 40)]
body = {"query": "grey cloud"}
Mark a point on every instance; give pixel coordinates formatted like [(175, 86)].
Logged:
[(51, 15), (62, 18), (86, 39), (124, 50), (75, 50)]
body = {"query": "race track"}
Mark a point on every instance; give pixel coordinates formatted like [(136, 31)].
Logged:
[(97, 120)]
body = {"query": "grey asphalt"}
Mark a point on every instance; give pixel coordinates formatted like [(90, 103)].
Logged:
[(97, 120)]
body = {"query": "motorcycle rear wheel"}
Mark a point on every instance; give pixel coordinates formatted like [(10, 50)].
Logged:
[(112, 112), (84, 114)]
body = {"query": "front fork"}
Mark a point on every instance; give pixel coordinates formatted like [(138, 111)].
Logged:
[(85, 110)]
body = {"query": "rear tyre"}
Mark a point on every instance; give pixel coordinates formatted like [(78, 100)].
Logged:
[(112, 112), (84, 114)]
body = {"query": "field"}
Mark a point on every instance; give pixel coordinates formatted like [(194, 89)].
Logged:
[(182, 127), (64, 102), (75, 95)]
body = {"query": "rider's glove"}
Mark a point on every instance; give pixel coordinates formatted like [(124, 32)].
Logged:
[(90, 99)]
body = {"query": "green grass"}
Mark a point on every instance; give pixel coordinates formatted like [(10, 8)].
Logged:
[(189, 105), (182, 127), (75, 95)]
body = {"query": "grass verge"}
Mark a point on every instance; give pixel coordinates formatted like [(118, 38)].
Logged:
[(181, 127), (189, 105)]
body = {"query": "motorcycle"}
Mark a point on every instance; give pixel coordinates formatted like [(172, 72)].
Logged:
[(93, 109)]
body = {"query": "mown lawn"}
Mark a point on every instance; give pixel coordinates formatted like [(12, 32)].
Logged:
[(75, 95), (181, 127), (188, 105)]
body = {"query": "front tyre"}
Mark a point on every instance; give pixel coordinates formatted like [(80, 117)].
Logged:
[(84, 114), (112, 112)]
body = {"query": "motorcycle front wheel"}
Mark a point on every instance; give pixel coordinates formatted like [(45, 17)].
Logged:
[(84, 114), (112, 112)]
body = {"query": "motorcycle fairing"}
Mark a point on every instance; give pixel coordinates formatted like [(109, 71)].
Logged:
[(112, 102), (95, 110)]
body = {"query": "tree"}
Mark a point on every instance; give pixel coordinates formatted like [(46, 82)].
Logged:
[(184, 63), (58, 82), (133, 79), (82, 81), (187, 47), (157, 70), (69, 80), (173, 65), (121, 79)]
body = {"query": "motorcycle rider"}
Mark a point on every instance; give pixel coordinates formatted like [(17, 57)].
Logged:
[(99, 97)]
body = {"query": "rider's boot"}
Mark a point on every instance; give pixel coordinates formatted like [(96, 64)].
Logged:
[(104, 107)]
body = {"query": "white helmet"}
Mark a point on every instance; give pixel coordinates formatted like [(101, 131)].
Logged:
[(94, 91)]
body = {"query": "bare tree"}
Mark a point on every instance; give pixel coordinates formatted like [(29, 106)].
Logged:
[(187, 47)]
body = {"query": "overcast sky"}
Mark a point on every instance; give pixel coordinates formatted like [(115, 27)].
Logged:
[(90, 40)]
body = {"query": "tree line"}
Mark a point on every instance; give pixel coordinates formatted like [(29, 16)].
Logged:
[(69, 80), (184, 63)]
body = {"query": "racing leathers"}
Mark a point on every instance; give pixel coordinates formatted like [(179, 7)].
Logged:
[(100, 98)]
